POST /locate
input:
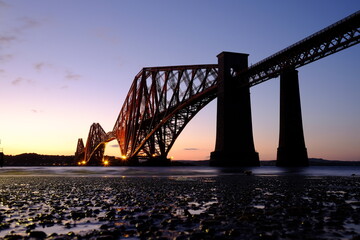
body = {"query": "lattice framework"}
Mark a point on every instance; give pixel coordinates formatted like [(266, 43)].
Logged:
[(162, 100), (160, 103), (336, 37), (95, 145)]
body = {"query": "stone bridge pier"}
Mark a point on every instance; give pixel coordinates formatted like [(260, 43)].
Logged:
[(291, 151), (234, 135)]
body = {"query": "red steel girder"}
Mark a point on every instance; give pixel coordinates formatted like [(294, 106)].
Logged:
[(162, 100), (95, 145), (80, 150), (336, 37), (151, 119)]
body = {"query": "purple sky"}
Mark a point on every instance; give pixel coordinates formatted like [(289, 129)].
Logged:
[(66, 64)]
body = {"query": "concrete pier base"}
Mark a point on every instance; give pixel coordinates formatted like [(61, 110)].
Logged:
[(291, 151), (234, 137)]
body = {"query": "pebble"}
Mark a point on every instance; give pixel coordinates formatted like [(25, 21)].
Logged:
[(37, 234), (224, 207)]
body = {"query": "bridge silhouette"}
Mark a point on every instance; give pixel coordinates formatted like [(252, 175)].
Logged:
[(163, 100)]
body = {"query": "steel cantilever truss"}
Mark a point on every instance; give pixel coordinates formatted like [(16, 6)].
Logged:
[(162, 100), (160, 103), (336, 37), (95, 144), (80, 150)]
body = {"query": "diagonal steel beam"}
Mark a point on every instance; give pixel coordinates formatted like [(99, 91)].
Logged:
[(336, 37)]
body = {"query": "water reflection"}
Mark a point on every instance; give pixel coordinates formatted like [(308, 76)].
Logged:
[(201, 171)]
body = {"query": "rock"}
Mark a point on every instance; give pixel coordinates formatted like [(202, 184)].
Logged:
[(248, 172), (37, 234), (30, 226), (4, 226), (105, 237), (13, 237), (105, 226), (77, 215)]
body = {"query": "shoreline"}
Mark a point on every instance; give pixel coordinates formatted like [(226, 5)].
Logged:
[(184, 171), (34, 159), (223, 207)]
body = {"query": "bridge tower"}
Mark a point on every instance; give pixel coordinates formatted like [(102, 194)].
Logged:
[(291, 151), (234, 136), (80, 151)]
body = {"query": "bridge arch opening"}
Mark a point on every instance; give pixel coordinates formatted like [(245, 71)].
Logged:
[(112, 153), (197, 139)]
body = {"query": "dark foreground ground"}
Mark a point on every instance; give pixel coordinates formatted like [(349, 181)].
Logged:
[(223, 207)]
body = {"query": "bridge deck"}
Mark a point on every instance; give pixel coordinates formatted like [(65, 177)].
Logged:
[(156, 91)]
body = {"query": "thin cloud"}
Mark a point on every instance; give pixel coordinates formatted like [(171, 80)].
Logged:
[(29, 23), (15, 33), (17, 81), (7, 39), (114, 145), (6, 57), (107, 36), (4, 4), (191, 149), (72, 76), (39, 66), (36, 111), (26, 23), (21, 80)]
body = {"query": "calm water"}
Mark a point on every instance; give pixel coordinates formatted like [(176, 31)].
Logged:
[(177, 171)]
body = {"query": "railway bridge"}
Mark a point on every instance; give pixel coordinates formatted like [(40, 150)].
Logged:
[(162, 101)]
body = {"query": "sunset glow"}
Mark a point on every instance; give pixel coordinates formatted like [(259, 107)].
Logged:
[(67, 64)]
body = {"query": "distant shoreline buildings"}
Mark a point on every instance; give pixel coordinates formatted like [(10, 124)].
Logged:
[(33, 159)]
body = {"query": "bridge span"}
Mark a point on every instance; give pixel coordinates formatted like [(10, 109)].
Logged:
[(162, 101)]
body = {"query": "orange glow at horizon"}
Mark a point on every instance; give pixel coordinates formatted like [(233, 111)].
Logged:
[(59, 75)]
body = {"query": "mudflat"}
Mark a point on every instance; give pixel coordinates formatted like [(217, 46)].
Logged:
[(219, 207)]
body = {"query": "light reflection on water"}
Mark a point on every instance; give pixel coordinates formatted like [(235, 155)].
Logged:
[(193, 171), (263, 199)]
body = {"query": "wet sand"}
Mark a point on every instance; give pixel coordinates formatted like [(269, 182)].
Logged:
[(222, 207)]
